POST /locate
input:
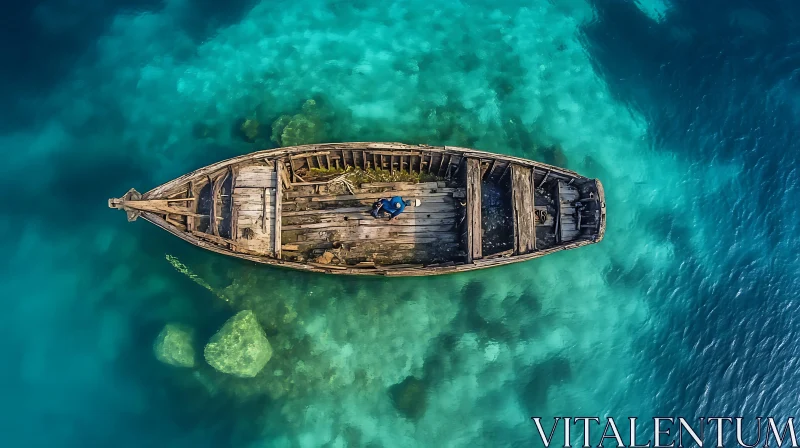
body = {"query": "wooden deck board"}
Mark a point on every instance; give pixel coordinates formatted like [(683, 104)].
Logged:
[(522, 204), (255, 176), (474, 229), (568, 225), (254, 198), (277, 207), (429, 228)]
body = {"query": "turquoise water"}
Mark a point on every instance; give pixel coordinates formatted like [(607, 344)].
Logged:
[(686, 113)]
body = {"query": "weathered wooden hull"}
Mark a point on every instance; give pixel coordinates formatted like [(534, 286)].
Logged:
[(258, 207)]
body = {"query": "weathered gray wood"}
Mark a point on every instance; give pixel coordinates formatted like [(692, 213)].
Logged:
[(474, 226), (400, 185), (568, 227), (350, 197), (264, 209), (216, 186), (522, 204), (490, 169), (190, 219), (255, 181), (276, 237), (505, 171)]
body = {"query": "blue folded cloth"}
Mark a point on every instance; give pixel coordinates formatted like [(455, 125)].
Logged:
[(394, 206)]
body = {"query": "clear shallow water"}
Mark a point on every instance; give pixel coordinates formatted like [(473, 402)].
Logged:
[(686, 112)]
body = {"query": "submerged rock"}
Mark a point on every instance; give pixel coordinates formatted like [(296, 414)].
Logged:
[(278, 126), (202, 131), (173, 346), (240, 347), (409, 397), (249, 129), (301, 129)]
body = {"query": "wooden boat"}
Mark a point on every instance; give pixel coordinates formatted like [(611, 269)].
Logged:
[(308, 207)]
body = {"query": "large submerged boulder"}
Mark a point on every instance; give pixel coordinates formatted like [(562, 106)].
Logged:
[(173, 346), (409, 397), (240, 347), (301, 129)]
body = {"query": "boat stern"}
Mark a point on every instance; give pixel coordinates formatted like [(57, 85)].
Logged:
[(601, 195)]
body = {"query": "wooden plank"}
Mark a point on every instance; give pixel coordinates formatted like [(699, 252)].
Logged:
[(292, 168), (490, 171), (413, 238), (378, 195), (249, 194), (544, 179), (215, 239), (252, 221), (426, 224), (505, 171), (276, 237), (567, 228), (400, 185), (255, 213), (441, 164), (234, 222), (176, 223), (458, 166), (304, 203), (254, 175), (474, 227), (365, 219), (159, 206), (327, 266), (310, 154), (264, 210), (409, 221), (532, 208), (257, 205), (396, 153), (425, 207), (257, 167), (283, 175), (244, 191), (522, 206), (216, 186), (190, 219), (251, 180)]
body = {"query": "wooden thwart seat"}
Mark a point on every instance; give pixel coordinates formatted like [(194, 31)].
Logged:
[(522, 204), (569, 223), (474, 227)]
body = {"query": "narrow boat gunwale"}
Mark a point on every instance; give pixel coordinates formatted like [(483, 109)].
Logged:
[(272, 154)]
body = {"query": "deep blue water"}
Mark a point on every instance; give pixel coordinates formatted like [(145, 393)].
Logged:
[(730, 93), (702, 274)]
